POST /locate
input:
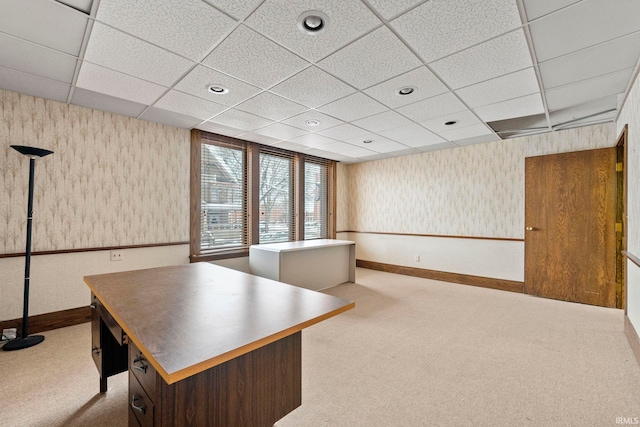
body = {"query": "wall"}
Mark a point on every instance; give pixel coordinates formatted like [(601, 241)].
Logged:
[(112, 181), (475, 191), (630, 115)]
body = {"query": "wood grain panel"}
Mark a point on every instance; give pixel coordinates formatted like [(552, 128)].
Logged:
[(507, 239), (253, 390), (464, 279), (50, 321), (570, 202)]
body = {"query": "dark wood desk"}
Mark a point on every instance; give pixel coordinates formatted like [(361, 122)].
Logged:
[(208, 346)]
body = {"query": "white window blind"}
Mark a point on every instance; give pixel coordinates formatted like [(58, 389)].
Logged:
[(223, 204), (276, 196), (316, 174)]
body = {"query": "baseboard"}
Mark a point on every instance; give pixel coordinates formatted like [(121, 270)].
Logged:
[(464, 279), (49, 321), (632, 336)]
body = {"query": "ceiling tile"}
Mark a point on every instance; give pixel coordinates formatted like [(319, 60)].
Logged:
[(375, 57), (251, 57), (403, 152), (502, 55), (512, 85), (113, 49), (220, 129), (587, 90), (424, 82), (281, 131), (433, 107), (605, 105), (344, 132), (236, 8), (259, 138), (582, 25), (188, 28), (481, 139), (18, 81), (466, 132), (518, 107), (329, 155), (313, 87), (383, 121), (391, 8), (287, 145), (44, 22), (412, 135), (338, 147), (436, 147), (278, 20), (353, 107), (29, 58), (99, 79), (271, 106), (189, 105), (198, 80), (102, 102), (439, 28), (81, 5), (312, 140), (358, 152), (241, 120), (602, 59), (300, 121), (537, 8), (169, 118), (378, 144), (463, 118)]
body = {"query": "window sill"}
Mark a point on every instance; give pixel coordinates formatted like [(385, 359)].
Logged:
[(205, 257)]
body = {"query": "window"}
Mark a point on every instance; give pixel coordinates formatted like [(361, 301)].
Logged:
[(243, 193), (223, 197), (315, 199), (276, 197)]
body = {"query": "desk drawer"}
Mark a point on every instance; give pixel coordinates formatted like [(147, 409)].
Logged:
[(139, 403), (108, 320), (140, 367)]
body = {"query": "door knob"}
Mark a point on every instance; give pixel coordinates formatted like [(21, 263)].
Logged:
[(529, 228)]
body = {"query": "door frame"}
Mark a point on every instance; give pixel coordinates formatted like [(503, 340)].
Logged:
[(622, 147)]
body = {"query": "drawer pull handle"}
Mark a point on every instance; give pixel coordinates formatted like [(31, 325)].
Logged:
[(142, 409), (95, 350), (142, 367), (93, 305)]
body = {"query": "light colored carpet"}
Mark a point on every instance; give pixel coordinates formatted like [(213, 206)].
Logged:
[(413, 352)]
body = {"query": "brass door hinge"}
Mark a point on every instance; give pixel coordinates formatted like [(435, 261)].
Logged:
[(618, 227), (618, 167)]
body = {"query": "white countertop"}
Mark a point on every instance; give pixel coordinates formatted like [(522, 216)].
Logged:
[(301, 245)]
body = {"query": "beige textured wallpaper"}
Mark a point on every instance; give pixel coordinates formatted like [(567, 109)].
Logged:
[(631, 115), (469, 191), (113, 180)]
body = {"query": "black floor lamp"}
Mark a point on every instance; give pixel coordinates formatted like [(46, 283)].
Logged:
[(27, 341)]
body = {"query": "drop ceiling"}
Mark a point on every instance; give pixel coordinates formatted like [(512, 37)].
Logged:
[(496, 68)]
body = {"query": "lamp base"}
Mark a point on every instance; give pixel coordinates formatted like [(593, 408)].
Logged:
[(20, 343)]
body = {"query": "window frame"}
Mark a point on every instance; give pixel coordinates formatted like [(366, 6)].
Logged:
[(252, 202)]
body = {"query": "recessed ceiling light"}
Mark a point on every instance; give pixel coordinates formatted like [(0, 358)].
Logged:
[(368, 141), (406, 90), (450, 123), (312, 122), (312, 22), (217, 89)]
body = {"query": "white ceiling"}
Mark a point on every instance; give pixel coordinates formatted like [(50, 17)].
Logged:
[(499, 68)]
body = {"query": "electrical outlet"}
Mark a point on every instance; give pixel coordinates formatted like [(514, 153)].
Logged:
[(9, 334), (116, 256), (417, 258)]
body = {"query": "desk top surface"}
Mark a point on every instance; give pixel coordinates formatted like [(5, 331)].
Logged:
[(188, 318), (301, 245)]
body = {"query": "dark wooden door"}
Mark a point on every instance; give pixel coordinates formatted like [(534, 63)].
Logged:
[(570, 237)]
